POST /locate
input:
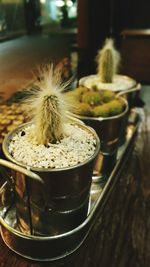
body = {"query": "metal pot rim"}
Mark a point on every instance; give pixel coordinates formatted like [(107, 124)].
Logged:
[(124, 77), (17, 129)]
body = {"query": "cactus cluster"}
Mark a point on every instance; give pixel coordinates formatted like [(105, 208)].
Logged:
[(97, 103), (115, 106), (83, 109), (109, 109), (91, 98)]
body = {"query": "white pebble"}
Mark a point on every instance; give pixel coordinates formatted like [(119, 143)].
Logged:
[(76, 147)]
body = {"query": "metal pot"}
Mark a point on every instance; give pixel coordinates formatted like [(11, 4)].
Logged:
[(111, 130), (122, 86), (55, 201)]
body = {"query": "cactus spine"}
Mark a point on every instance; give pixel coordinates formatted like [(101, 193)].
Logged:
[(107, 62)]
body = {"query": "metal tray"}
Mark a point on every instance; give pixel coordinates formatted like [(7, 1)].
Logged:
[(51, 248)]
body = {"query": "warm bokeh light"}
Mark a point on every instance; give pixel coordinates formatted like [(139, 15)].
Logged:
[(43, 1)]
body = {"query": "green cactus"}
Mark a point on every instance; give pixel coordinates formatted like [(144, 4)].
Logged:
[(107, 95), (92, 98), (101, 111), (96, 103), (83, 109), (77, 93), (106, 71), (81, 89), (107, 62), (94, 87), (115, 106)]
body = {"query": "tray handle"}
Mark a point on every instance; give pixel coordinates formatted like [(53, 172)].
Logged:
[(15, 167)]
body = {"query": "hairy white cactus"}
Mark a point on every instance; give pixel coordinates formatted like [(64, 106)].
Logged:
[(107, 62), (47, 107)]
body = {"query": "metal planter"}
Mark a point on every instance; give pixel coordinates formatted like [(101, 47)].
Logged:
[(122, 86), (50, 248), (110, 129), (57, 205)]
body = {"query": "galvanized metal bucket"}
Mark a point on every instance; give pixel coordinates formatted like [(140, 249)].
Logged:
[(57, 200), (110, 129)]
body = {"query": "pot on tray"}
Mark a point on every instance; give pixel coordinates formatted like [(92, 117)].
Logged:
[(58, 200), (122, 86)]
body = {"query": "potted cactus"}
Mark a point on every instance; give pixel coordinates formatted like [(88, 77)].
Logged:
[(107, 77), (107, 62), (104, 111), (61, 150)]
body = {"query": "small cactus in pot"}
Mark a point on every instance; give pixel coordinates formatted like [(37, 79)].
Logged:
[(47, 107), (104, 111), (97, 103), (107, 76), (61, 150), (51, 120), (107, 62)]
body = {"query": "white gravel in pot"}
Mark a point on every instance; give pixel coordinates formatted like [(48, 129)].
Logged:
[(120, 82), (77, 146)]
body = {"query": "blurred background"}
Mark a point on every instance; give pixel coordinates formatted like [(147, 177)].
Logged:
[(30, 16), (76, 29)]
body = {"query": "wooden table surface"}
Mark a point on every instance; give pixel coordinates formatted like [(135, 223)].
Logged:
[(121, 235)]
